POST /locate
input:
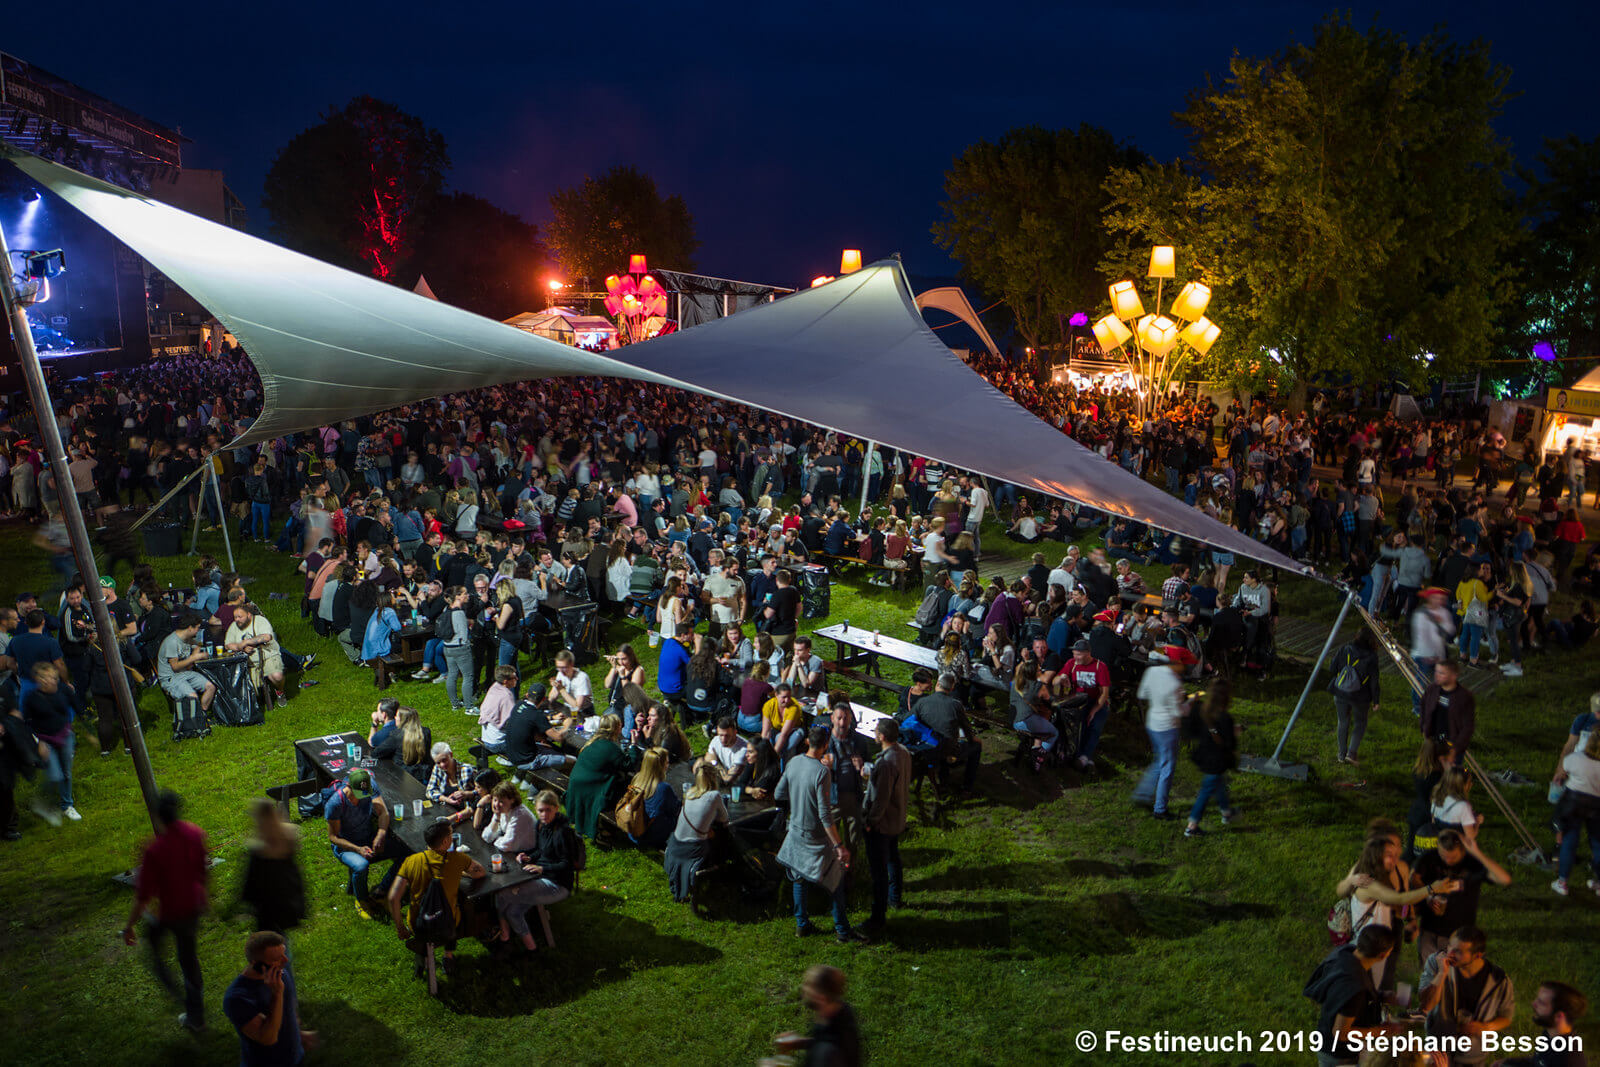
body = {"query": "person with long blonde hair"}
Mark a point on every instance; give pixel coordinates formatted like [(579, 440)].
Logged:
[(660, 800), (273, 886), (703, 810)]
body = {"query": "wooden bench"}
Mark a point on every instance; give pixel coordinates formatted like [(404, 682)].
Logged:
[(386, 668), (286, 794), (898, 576)]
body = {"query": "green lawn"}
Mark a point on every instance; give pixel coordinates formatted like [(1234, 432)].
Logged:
[(1047, 907)]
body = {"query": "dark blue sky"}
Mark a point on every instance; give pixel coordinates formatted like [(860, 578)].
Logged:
[(791, 130)]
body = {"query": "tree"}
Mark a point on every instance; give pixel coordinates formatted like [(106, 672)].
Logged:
[(354, 189), (596, 226), (481, 258), (1351, 200), (1023, 218), (1562, 286)]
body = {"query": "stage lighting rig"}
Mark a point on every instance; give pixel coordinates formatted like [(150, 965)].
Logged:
[(32, 283)]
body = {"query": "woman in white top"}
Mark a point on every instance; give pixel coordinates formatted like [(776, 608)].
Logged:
[(1450, 807), (1578, 810), (467, 517), (668, 609), (648, 486), (511, 827), (690, 845), (1375, 888)]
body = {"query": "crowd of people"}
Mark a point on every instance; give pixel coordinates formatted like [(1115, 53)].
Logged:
[(470, 515)]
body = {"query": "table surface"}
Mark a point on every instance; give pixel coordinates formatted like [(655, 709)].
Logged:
[(395, 785), (901, 651)]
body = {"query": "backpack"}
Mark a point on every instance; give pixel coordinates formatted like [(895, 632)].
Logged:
[(928, 612), (1348, 680), (630, 813), (444, 627), (436, 923), (914, 734)]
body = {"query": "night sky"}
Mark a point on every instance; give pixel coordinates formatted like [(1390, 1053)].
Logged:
[(791, 130)]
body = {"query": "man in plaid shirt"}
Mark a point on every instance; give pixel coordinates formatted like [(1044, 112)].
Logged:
[(1175, 588)]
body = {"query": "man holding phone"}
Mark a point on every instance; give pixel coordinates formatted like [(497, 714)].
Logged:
[(263, 1007)]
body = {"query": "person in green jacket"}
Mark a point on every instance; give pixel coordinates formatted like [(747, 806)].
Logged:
[(600, 766)]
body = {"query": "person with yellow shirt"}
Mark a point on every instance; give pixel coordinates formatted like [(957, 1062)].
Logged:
[(1472, 597), (438, 860), (783, 722)]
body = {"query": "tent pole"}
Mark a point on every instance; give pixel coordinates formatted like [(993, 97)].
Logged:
[(216, 489), (200, 509), (77, 532), (1272, 765), (866, 476)]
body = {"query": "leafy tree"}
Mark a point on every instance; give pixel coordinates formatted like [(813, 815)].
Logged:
[(1351, 202), (1562, 291), (354, 189), (1023, 217), (596, 226), (481, 258)]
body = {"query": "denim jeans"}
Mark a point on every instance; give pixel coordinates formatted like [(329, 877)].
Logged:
[(515, 902), (433, 654), (1210, 785), (458, 666), (1039, 726), (260, 519), (1157, 780), (551, 760), (183, 936), (1425, 669), (1569, 847), (1092, 729), (507, 654), (58, 767), (883, 858), (841, 921), (1471, 637), (358, 865)]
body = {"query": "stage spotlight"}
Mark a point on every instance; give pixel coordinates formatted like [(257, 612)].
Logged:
[(31, 197)]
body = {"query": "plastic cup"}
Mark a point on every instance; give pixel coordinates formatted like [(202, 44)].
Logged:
[(497, 862), (738, 793), (417, 809), (400, 812), (455, 842)]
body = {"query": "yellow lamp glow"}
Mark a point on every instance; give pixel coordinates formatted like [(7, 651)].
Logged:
[(637, 265), (1162, 260), (1192, 301), (1201, 334), (850, 261), (1125, 302), (1111, 333), (821, 279), (1158, 334)]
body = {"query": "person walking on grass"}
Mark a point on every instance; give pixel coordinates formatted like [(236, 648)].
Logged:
[(172, 873), (1214, 748)]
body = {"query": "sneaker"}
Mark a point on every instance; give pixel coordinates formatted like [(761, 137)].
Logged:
[(1193, 831), (421, 675), (503, 761), (1164, 816), (282, 701), (72, 813), (438, 680), (366, 910), (51, 817), (1229, 815), (310, 661), (308, 683), (1511, 670), (851, 936), (106, 753), (805, 930), (193, 1028), (1559, 886), (470, 709)]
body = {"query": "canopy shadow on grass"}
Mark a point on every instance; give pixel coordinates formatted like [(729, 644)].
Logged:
[(595, 946)]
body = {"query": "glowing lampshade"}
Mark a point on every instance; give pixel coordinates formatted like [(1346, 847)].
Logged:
[(1201, 334), (1158, 334), (821, 279), (657, 305), (1125, 302), (648, 285), (1111, 333), (612, 281), (1192, 301), (636, 265), (1161, 261), (613, 305), (850, 261)]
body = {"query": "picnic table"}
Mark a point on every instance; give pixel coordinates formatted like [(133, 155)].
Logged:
[(858, 648), (680, 776), (330, 759)]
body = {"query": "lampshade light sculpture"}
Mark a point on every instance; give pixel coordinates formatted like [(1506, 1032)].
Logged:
[(1161, 342), (637, 301)]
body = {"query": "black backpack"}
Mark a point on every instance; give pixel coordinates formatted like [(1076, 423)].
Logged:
[(443, 626), (436, 923), (931, 610)]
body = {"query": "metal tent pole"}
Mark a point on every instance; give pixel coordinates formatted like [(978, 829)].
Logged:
[(1272, 764), (77, 532), (216, 489)]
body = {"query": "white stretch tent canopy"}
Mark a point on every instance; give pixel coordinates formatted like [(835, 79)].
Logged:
[(853, 355), (953, 301)]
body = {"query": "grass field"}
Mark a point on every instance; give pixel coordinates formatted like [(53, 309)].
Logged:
[(1047, 907)]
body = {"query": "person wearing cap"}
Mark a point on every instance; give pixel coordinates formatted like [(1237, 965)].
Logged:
[(1088, 689), (358, 831), (1161, 689), (108, 720)]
